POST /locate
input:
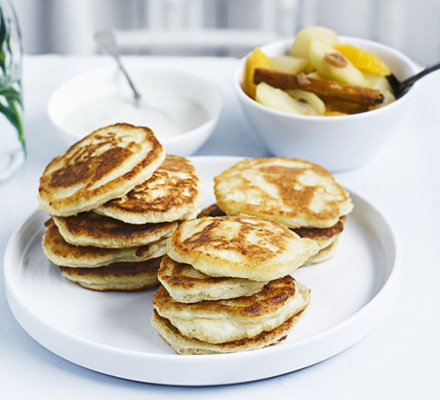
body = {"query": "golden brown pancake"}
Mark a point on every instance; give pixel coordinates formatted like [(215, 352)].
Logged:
[(125, 277), (323, 255), (239, 246), (172, 193), (90, 229), (293, 192), (187, 285), (323, 236), (223, 321), (185, 345), (212, 211), (103, 166), (61, 253)]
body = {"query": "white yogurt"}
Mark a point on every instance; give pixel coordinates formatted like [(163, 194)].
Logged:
[(165, 114)]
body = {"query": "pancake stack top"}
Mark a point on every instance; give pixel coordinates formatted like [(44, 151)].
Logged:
[(114, 199), (225, 284), (301, 195)]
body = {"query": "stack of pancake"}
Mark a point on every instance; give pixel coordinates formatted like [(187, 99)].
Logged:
[(114, 199), (226, 285), (301, 195)]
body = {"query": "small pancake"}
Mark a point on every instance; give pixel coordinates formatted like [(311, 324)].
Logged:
[(211, 211), (293, 192), (224, 321), (172, 193), (90, 229), (185, 345), (103, 166), (126, 277), (239, 246), (187, 285), (323, 236), (61, 253), (323, 255)]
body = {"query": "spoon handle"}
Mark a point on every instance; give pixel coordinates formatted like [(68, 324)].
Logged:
[(106, 41), (136, 94), (411, 80)]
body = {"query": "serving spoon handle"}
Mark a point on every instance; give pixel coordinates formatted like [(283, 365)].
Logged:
[(412, 79), (400, 88)]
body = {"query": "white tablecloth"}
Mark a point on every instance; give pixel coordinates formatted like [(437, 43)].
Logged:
[(398, 360)]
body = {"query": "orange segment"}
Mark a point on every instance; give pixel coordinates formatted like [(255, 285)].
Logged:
[(257, 59), (363, 60)]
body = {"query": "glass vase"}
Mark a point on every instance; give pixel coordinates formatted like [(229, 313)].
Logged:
[(12, 139)]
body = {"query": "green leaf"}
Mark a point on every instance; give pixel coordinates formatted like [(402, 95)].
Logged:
[(11, 93), (2, 28), (8, 42), (12, 97), (18, 124), (3, 34), (3, 61), (4, 52), (13, 115)]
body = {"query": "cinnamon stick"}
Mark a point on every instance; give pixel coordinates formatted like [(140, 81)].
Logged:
[(321, 87)]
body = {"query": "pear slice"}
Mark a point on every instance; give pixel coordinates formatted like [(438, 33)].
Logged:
[(301, 45), (381, 83), (309, 97), (330, 64), (288, 64), (314, 74), (388, 97), (378, 82), (279, 100)]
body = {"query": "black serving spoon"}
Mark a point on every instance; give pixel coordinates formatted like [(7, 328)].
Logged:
[(400, 88)]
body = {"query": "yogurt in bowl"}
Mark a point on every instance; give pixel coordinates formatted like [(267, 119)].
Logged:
[(180, 108)]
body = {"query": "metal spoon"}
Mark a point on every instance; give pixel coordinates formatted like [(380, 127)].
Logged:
[(400, 88), (107, 43)]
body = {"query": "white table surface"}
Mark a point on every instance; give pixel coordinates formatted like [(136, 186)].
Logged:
[(398, 360)]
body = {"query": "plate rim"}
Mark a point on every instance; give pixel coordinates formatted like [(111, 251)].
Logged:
[(13, 295)]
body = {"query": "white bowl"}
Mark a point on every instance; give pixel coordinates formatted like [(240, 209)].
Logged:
[(159, 87), (339, 142)]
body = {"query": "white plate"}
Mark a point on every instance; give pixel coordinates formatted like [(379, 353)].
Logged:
[(111, 332)]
